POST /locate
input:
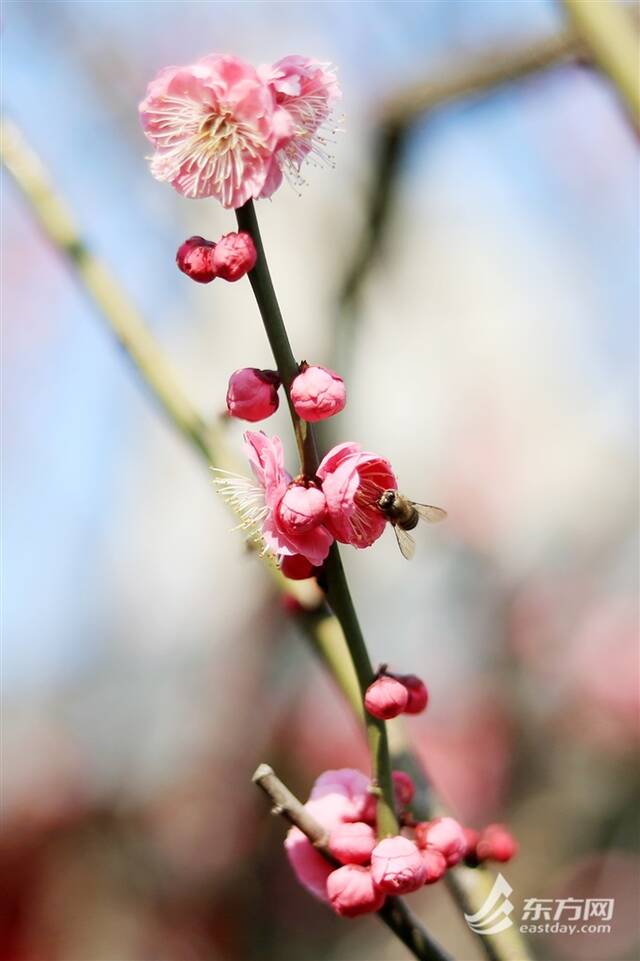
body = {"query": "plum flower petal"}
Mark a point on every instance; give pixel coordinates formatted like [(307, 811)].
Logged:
[(310, 867), (352, 482), (266, 458), (348, 790), (314, 544), (213, 128), (307, 91), (260, 506)]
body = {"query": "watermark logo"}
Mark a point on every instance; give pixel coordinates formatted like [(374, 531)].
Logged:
[(542, 915), (493, 916)]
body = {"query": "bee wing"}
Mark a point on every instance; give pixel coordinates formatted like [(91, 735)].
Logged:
[(405, 541), (432, 515)]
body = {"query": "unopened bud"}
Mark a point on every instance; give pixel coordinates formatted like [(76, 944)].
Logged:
[(386, 697), (194, 259)]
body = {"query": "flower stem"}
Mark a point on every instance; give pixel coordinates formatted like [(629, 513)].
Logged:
[(262, 286), (338, 593)]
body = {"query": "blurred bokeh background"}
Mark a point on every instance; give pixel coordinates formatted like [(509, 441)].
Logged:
[(491, 355)]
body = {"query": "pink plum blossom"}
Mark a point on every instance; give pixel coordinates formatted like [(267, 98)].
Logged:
[(352, 482), (267, 462), (234, 256), (352, 843), (309, 866), (252, 394), (348, 791), (317, 393), (337, 797), (215, 126), (397, 866), (351, 891), (307, 90)]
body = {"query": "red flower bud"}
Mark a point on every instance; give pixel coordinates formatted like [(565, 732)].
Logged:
[(471, 837), (397, 866), (317, 393), (435, 864), (418, 694), (352, 892), (404, 788), (386, 697), (352, 843), (235, 255), (496, 844), (445, 835), (252, 394), (296, 567), (194, 259)]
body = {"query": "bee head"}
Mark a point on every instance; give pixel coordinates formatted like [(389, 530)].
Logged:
[(386, 499)]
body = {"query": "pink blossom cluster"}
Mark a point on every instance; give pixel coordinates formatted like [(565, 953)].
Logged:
[(343, 803), (222, 128), (299, 518)]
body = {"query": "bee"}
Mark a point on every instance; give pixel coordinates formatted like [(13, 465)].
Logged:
[(404, 514)]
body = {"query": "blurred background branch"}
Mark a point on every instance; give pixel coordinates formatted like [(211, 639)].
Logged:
[(601, 32), (609, 31), (476, 77)]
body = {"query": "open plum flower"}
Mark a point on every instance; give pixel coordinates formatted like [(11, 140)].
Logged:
[(352, 482), (222, 129), (307, 90), (215, 126), (264, 515)]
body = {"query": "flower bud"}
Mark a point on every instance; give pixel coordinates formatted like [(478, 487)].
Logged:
[(194, 258), (301, 509), (435, 865), (296, 567), (317, 393), (496, 844), (397, 866), (352, 843), (386, 697), (418, 694), (352, 892), (445, 835), (404, 788), (235, 255), (252, 394), (471, 837), (291, 605)]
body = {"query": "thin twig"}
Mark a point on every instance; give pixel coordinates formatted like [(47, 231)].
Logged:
[(157, 375), (395, 913), (609, 33), (477, 77)]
